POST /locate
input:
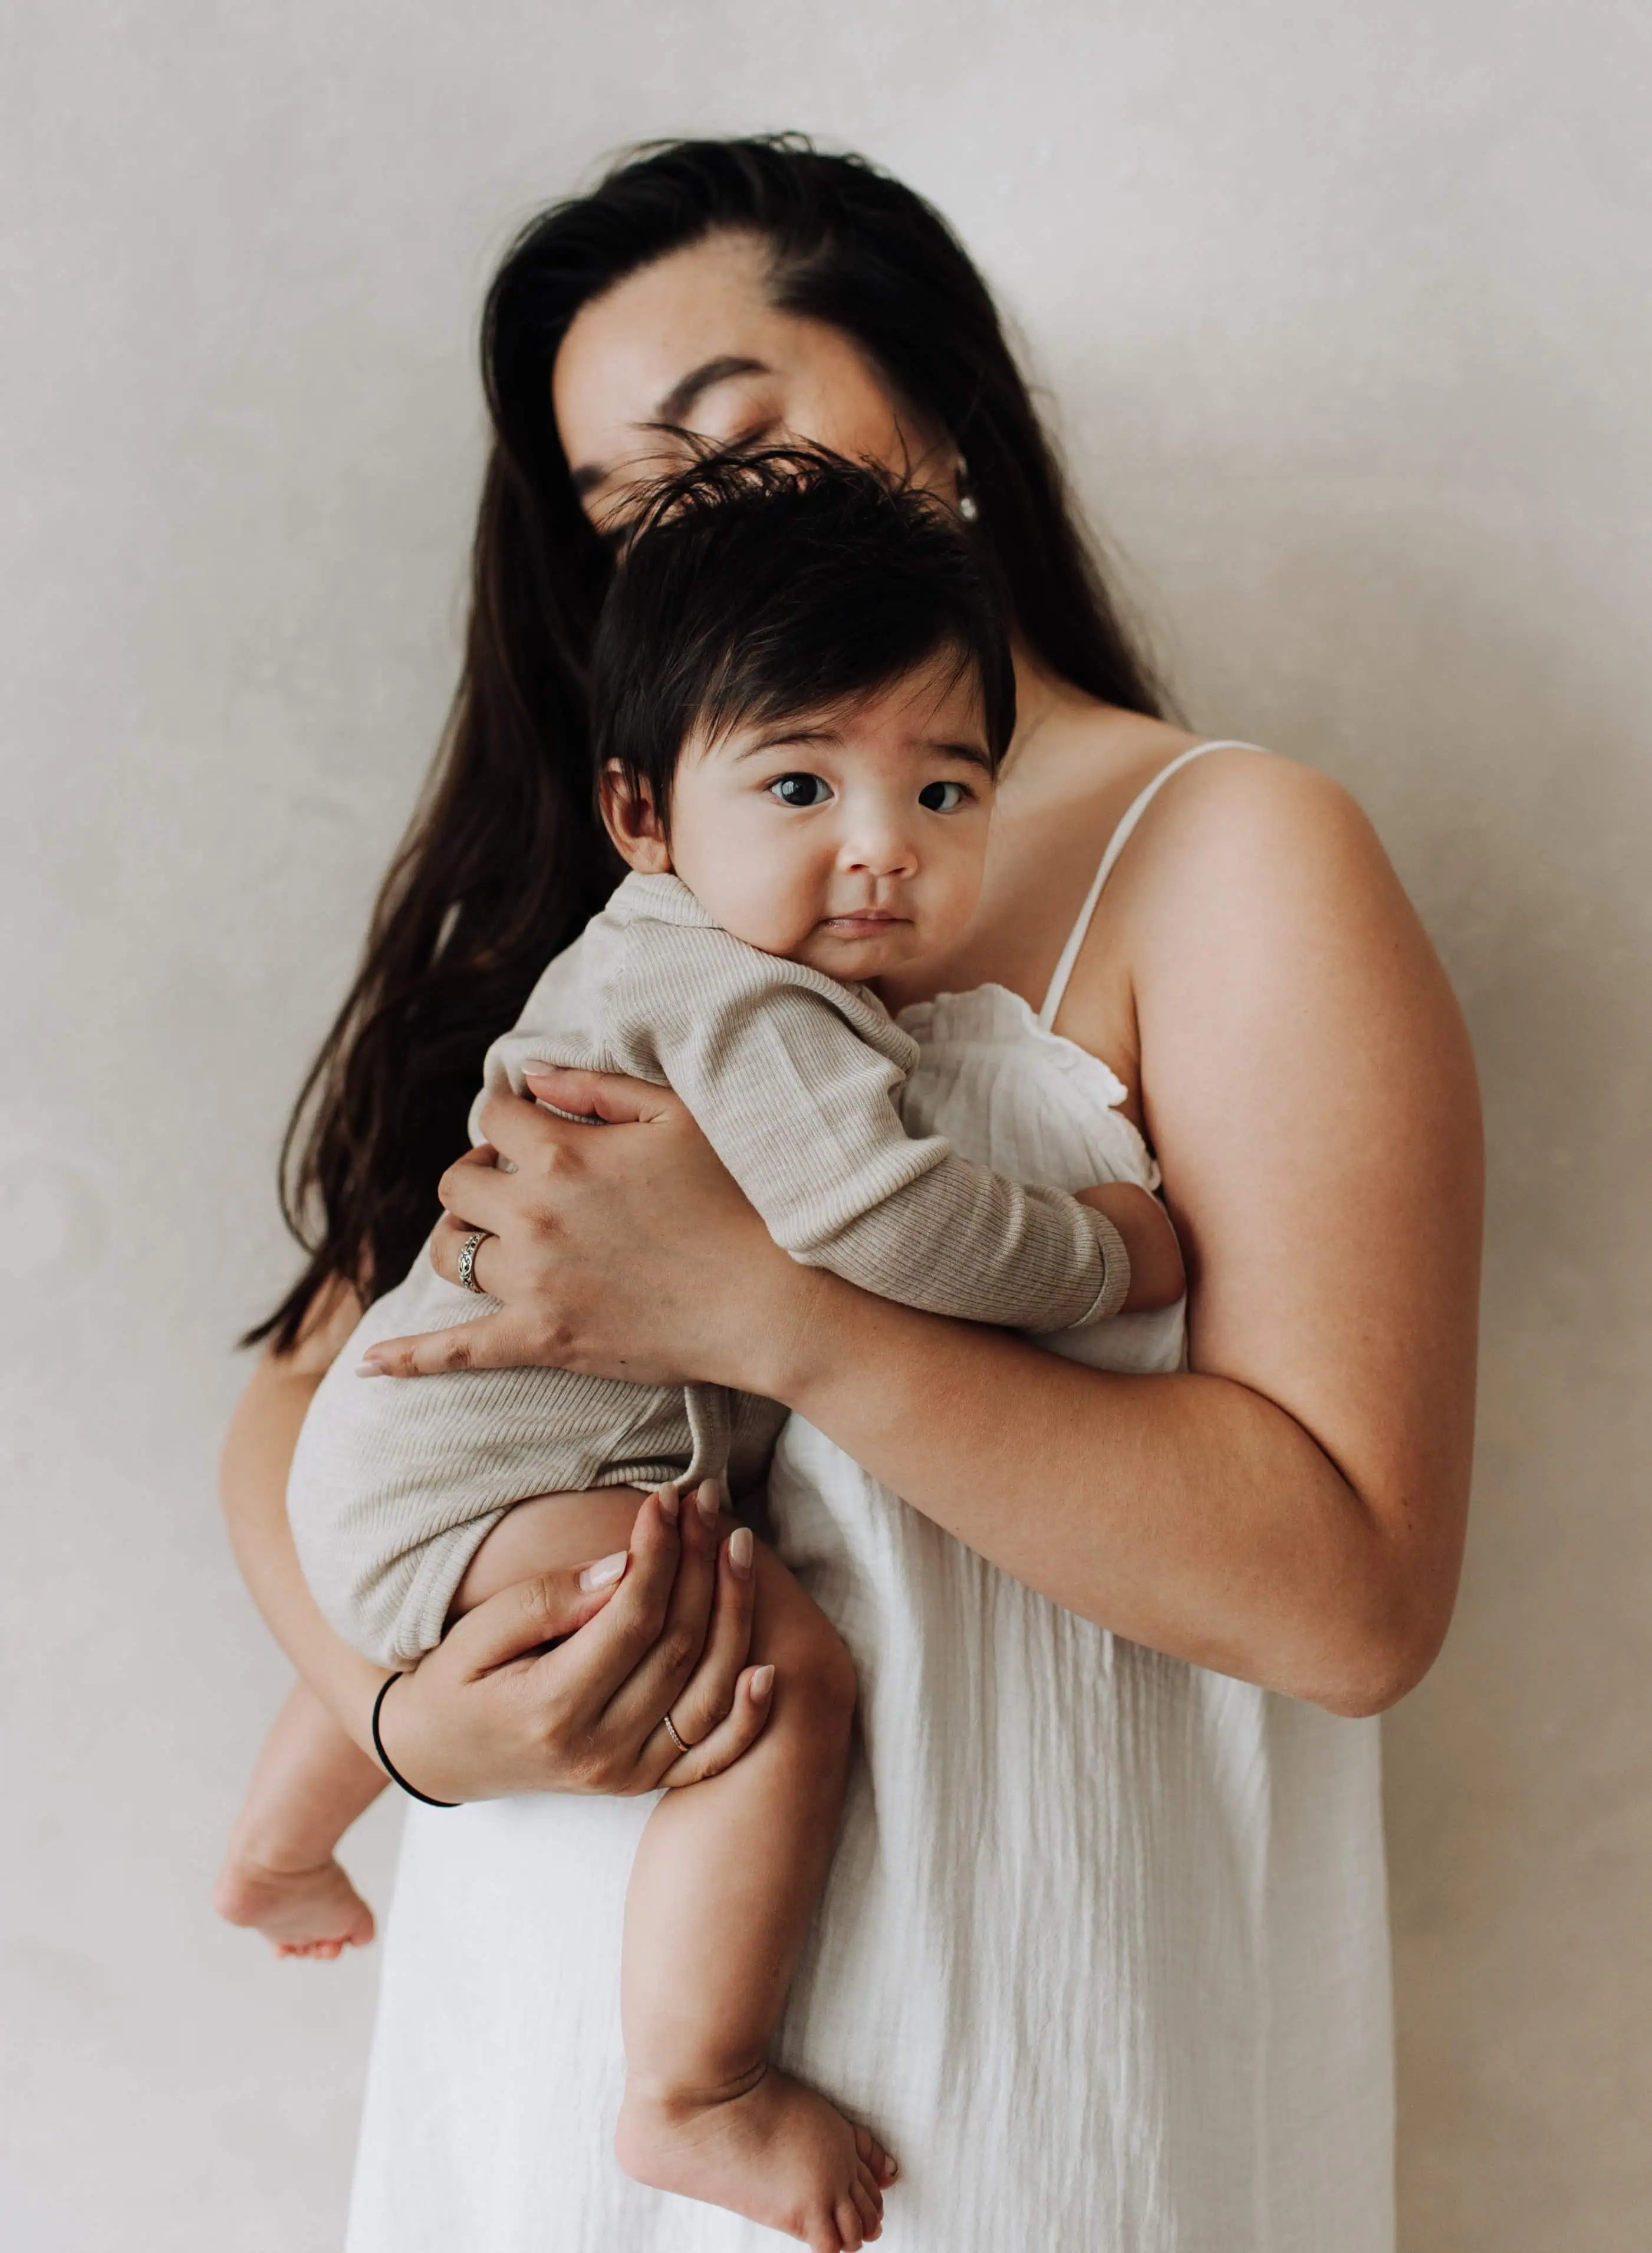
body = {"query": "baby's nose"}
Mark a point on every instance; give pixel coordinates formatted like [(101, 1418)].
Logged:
[(881, 849)]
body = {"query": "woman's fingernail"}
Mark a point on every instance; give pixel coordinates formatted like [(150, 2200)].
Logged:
[(708, 1502), (762, 1684), (369, 1368), (605, 1570), (669, 1500), (740, 1549)]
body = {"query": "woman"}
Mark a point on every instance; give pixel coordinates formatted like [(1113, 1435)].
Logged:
[(1103, 1955)]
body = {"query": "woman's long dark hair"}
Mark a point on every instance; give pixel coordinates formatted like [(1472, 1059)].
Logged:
[(505, 861)]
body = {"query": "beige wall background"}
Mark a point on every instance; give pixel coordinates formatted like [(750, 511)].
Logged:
[(1344, 314)]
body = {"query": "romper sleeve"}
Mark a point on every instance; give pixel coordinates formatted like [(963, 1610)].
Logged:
[(799, 1104)]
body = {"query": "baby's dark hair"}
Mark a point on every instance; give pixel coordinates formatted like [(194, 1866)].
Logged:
[(761, 584)]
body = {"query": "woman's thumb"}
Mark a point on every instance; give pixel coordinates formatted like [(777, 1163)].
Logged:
[(531, 1613)]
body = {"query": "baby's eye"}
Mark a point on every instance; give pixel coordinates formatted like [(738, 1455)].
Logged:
[(942, 797), (800, 790)]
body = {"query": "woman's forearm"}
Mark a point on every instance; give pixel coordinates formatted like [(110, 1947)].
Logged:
[(258, 1452), (1186, 1512)]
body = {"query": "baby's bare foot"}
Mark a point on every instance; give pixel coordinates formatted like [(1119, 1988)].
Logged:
[(773, 2151), (315, 1913)]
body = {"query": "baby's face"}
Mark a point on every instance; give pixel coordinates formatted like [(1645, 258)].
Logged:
[(852, 840)]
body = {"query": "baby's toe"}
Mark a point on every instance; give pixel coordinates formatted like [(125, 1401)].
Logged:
[(873, 2155), (869, 2184), (869, 2206)]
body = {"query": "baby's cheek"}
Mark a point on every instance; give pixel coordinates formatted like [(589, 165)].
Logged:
[(779, 918), (789, 895), (952, 903)]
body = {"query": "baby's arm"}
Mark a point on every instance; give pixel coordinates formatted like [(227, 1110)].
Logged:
[(798, 1102), (960, 1239)]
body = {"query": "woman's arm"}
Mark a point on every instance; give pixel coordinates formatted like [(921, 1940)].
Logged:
[(490, 1712), (258, 1451), (1291, 1510)]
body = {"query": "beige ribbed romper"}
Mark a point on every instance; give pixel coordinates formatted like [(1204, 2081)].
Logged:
[(797, 1081)]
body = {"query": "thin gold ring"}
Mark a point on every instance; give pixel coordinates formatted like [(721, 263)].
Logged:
[(670, 1730)]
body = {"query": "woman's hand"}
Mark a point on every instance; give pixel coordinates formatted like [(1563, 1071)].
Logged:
[(624, 1250), (490, 1712)]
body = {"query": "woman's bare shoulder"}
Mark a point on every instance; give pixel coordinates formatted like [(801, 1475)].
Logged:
[(1269, 937), (1246, 780), (1244, 833)]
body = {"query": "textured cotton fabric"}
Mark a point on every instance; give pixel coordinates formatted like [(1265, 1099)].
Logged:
[(797, 1081), (1103, 1953)]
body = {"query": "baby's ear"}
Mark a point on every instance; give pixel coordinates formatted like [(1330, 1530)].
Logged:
[(632, 821)]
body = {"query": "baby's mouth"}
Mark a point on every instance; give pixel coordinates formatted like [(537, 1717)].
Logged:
[(864, 923)]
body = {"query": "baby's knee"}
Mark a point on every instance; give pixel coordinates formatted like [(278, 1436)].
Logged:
[(831, 1670), (814, 1674)]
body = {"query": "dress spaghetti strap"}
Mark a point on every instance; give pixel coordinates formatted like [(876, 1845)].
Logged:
[(1116, 844)]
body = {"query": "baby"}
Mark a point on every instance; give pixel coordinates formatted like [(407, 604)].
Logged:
[(803, 689)]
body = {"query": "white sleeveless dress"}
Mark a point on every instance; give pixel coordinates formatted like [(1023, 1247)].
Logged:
[(1103, 1952)]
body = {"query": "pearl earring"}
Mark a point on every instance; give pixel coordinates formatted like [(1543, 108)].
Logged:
[(966, 505)]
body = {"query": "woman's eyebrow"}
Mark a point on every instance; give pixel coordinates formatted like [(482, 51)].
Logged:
[(686, 394), (683, 396)]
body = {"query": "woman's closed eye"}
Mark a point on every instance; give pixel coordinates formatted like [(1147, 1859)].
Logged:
[(800, 789)]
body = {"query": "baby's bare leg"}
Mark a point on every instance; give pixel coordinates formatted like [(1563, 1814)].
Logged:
[(544, 1533), (724, 1885), (279, 1874), (741, 1857)]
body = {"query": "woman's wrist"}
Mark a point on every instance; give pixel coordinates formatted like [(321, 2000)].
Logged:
[(376, 1725), (791, 1333), (822, 1334)]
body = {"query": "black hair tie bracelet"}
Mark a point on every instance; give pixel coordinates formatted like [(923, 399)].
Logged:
[(423, 1798)]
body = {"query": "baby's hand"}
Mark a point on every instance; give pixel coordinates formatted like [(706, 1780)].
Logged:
[(1157, 1277), (317, 1912)]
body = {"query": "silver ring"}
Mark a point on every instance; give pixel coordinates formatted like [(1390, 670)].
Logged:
[(467, 1261), (670, 1730)]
